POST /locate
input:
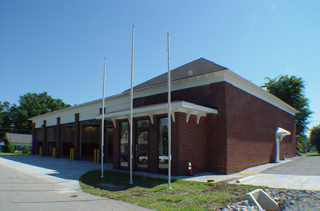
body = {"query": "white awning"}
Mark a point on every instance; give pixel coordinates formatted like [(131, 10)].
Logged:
[(176, 106), (282, 132)]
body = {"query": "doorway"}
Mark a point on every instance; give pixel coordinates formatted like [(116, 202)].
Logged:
[(142, 145)]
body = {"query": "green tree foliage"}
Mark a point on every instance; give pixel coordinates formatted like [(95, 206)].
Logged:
[(6, 117), (315, 137), (30, 105), (291, 91), (10, 147), (25, 149), (301, 143)]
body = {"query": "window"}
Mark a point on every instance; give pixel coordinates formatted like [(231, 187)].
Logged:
[(143, 123), (124, 147), (163, 143)]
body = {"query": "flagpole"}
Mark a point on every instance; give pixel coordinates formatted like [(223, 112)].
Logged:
[(102, 130), (169, 114), (131, 106)]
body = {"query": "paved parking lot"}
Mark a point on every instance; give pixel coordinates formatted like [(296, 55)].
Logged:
[(302, 173), (304, 165), (293, 173), (43, 183)]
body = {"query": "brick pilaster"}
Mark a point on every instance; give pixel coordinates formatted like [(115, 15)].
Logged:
[(45, 140), (34, 140), (58, 139), (77, 148)]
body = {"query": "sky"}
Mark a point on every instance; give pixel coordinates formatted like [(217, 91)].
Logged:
[(58, 46)]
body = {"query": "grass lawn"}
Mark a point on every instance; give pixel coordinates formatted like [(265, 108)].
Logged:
[(154, 193), (8, 153), (310, 154)]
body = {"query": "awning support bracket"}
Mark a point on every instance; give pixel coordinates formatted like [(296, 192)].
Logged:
[(199, 115), (188, 115), (151, 117), (114, 122), (173, 116), (128, 117)]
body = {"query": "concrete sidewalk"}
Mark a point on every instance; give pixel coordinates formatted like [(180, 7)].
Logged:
[(66, 172), (24, 186), (204, 177), (302, 182), (60, 171), (255, 176)]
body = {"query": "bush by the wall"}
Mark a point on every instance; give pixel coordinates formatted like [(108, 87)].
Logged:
[(301, 144), (315, 137), (10, 147), (25, 149)]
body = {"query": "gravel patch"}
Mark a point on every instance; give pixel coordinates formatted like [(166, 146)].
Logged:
[(288, 200), (295, 200), (304, 165), (244, 205)]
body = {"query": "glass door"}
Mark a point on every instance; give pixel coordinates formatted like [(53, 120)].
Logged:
[(163, 145), (124, 145), (142, 145)]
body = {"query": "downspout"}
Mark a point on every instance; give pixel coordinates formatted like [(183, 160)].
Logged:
[(280, 133)]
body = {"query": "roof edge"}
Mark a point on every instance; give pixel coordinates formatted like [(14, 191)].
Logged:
[(79, 106), (259, 92)]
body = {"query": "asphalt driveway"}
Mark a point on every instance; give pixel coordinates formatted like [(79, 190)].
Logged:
[(301, 173), (304, 165), (43, 183)]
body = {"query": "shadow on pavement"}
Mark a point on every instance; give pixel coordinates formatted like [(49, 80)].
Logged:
[(63, 167)]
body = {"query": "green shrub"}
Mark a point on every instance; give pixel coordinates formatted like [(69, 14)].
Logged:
[(10, 147), (25, 149), (315, 137), (301, 144)]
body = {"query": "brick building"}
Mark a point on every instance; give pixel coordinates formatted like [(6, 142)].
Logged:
[(221, 122)]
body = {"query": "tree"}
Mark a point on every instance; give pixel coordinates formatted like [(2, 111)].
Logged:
[(301, 143), (315, 137), (10, 147), (25, 150), (31, 105), (13, 117), (6, 118), (291, 91)]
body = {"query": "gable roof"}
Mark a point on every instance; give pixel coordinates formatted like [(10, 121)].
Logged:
[(19, 138), (195, 68)]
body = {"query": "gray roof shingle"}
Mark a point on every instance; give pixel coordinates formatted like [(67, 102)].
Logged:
[(195, 68), (19, 138)]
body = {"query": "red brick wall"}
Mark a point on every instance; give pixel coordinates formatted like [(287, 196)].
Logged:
[(76, 144), (202, 95), (217, 130), (251, 128), (153, 145), (188, 145), (34, 148), (58, 138), (191, 141), (204, 144), (224, 142)]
